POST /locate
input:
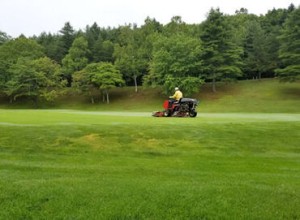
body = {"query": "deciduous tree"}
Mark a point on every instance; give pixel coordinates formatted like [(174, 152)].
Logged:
[(102, 76), (13, 50), (107, 77), (177, 57), (76, 59), (34, 78)]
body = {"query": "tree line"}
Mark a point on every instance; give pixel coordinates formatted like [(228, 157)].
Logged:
[(96, 59)]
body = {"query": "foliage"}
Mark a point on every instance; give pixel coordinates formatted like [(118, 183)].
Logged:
[(34, 78), (13, 50), (188, 85), (76, 59), (103, 76), (130, 55), (4, 37), (221, 54), (175, 62), (221, 48), (289, 50), (100, 45), (107, 77), (67, 37), (177, 55), (82, 81), (255, 50), (53, 46)]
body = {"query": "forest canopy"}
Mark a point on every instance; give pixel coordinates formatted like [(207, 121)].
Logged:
[(221, 48)]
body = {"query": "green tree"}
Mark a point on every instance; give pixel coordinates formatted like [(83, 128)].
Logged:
[(175, 57), (255, 50), (102, 76), (127, 63), (36, 79), (4, 37), (13, 50), (188, 85), (127, 54), (82, 81), (107, 77), (67, 37), (221, 55), (289, 53), (175, 26), (103, 51), (76, 59), (53, 46), (101, 48), (272, 24)]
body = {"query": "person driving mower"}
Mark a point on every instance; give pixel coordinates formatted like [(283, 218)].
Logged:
[(177, 95)]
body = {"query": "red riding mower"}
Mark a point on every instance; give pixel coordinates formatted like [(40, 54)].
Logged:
[(182, 108)]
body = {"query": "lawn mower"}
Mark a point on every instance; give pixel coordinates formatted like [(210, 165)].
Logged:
[(182, 108)]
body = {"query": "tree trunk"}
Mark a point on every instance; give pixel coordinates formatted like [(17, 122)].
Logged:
[(214, 85), (107, 97), (103, 97), (35, 101), (135, 83), (92, 98)]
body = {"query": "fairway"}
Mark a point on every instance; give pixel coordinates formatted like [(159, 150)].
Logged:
[(68, 164)]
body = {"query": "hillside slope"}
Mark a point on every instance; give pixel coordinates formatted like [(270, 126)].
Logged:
[(244, 96), (266, 95), (252, 96)]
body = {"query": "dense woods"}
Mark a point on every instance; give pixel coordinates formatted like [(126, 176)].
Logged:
[(96, 59)]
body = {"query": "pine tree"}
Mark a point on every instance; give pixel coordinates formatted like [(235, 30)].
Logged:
[(289, 52), (221, 56)]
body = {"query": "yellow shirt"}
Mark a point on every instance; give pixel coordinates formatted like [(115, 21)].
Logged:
[(177, 95)]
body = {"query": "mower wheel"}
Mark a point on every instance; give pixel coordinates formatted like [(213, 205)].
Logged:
[(193, 114), (167, 114)]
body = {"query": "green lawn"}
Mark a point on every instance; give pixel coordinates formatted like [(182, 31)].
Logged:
[(62, 164)]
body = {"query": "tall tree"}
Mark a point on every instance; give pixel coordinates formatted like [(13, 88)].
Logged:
[(272, 24), (103, 76), (177, 55), (67, 37), (13, 50), (174, 60), (76, 59), (103, 51), (289, 53), (92, 33), (36, 79), (4, 37), (127, 57), (255, 50), (53, 46), (221, 55), (82, 81), (175, 26)]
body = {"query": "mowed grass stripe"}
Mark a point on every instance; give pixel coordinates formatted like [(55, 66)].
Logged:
[(71, 117), (215, 166)]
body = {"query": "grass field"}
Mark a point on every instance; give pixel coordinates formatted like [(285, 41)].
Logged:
[(64, 164), (238, 159)]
